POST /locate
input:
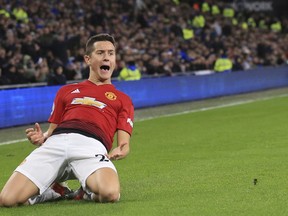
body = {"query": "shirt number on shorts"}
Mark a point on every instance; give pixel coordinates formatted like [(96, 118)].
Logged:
[(102, 158)]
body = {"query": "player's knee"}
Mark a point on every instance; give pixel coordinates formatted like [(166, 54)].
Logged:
[(110, 196), (7, 201)]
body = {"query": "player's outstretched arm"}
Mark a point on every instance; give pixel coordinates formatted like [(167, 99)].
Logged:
[(123, 148), (36, 136)]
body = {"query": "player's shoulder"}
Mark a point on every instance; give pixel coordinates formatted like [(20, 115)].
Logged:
[(122, 95), (72, 86)]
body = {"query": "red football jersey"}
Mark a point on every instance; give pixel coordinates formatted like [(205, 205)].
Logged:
[(99, 110)]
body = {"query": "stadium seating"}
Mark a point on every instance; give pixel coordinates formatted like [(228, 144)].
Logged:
[(164, 38)]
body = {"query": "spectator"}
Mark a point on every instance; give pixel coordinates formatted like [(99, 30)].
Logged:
[(238, 64), (31, 47), (15, 75), (20, 14), (29, 67), (172, 67), (3, 58), (155, 67), (59, 48), (223, 63), (56, 77), (42, 70), (3, 79), (4, 13), (130, 72)]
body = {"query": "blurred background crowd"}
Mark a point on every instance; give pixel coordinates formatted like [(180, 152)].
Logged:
[(44, 41)]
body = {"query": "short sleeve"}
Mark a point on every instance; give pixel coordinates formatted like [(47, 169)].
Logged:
[(58, 107), (126, 116)]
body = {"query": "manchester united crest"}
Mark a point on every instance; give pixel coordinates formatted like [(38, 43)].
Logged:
[(110, 95)]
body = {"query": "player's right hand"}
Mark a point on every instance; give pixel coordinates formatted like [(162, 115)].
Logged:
[(35, 135)]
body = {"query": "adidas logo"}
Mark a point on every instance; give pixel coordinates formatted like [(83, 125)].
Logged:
[(75, 91)]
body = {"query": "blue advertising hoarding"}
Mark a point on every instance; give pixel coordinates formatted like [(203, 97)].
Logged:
[(29, 105)]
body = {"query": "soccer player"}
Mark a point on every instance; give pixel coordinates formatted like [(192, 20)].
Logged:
[(84, 119)]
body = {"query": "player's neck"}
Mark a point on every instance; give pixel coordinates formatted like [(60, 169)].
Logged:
[(99, 82)]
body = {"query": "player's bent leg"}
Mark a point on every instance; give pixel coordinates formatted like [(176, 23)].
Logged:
[(104, 183), (17, 190)]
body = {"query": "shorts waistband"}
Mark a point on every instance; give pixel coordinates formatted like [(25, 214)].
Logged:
[(60, 130)]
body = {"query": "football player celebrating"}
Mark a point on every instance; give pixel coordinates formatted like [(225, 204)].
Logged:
[(84, 119)]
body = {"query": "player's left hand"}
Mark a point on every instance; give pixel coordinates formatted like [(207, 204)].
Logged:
[(119, 152)]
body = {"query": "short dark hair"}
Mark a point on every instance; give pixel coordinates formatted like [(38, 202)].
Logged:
[(99, 37)]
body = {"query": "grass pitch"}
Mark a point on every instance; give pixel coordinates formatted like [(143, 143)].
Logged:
[(224, 161)]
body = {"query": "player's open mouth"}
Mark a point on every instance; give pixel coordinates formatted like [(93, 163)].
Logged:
[(105, 67)]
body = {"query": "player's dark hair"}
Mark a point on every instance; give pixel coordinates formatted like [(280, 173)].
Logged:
[(99, 37)]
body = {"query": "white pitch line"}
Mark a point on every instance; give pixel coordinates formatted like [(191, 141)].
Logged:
[(12, 141), (214, 107), (185, 112)]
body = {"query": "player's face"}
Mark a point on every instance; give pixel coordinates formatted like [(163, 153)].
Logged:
[(102, 61)]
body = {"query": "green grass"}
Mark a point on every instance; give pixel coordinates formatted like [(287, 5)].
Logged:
[(202, 163)]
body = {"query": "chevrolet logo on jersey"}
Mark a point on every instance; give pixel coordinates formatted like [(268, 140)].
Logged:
[(89, 101)]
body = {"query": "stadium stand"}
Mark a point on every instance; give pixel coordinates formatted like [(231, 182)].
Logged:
[(163, 38)]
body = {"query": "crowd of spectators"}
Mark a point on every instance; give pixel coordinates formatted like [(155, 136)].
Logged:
[(37, 38)]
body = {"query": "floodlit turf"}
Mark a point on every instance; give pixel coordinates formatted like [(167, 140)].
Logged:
[(202, 163)]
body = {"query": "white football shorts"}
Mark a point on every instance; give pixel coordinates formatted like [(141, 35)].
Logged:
[(63, 157)]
